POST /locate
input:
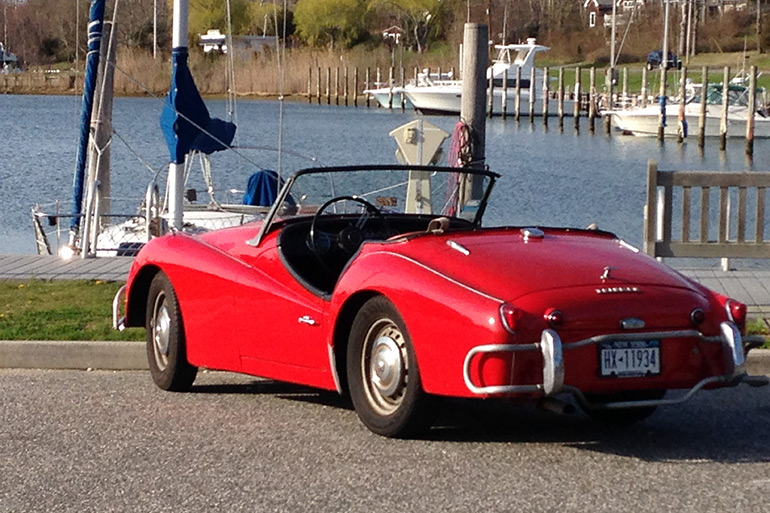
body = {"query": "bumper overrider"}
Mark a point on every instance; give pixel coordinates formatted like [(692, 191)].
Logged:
[(552, 350)]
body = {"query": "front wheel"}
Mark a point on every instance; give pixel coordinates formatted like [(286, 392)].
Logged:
[(166, 348), (384, 378)]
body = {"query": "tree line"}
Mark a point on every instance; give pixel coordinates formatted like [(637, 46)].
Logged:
[(42, 32)]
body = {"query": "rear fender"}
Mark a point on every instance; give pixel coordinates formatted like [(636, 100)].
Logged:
[(444, 317)]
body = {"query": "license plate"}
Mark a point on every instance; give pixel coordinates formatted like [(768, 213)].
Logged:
[(629, 359)]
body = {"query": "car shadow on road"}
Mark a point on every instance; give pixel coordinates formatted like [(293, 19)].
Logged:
[(727, 426), (725, 430)]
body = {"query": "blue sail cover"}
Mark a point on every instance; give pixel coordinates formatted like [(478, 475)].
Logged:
[(185, 121), (262, 189), (95, 27)]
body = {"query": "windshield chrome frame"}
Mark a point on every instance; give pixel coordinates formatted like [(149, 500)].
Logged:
[(269, 219)]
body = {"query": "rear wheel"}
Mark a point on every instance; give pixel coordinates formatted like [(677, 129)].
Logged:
[(623, 416), (166, 351), (384, 378)]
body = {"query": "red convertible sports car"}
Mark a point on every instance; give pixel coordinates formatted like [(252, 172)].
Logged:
[(380, 282)]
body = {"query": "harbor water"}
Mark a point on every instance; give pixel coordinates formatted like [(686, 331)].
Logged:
[(550, 177)]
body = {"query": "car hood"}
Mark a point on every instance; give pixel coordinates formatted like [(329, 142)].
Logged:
[(506, 264)]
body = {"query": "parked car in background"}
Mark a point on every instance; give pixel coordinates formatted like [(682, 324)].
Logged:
[(655, 58)]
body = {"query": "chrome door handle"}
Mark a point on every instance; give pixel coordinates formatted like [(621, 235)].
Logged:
[(306, 319)]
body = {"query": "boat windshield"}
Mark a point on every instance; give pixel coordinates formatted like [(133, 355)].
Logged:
[(421, 190), (736, 95)]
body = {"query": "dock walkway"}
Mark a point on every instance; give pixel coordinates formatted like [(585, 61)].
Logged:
[(751, 287)]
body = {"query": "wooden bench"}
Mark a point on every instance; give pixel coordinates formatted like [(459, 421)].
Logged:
[(713, 226)]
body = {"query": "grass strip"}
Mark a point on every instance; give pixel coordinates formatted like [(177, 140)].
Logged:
[(60, 310)]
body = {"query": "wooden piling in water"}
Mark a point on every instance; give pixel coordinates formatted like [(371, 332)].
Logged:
[(328, 86), (345, 85), (318, 86), (517, 94), (546, 94), (391, 72), (682, 128), (355, 86), (378, 84), (578, 94), (723, 123), (403, 83), (592, 98), (560, 97), (310, 84), (644, 87), (625, 84), (491, 95), (532, 95), (504, 106), (367, 85), (609, 87), (702, 117), (337, 86), (752, 110)]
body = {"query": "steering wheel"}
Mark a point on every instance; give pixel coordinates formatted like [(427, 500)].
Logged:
[(346, 240)]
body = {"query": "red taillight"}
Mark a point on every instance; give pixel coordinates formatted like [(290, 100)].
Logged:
[(736, 311), (508, 314)]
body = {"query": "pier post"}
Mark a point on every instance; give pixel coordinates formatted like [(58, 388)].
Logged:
[(337, 85), (592, 99), (644, 92), (560, 98), (625, 85), (355, 86), (403, 83), (310, 84), (609, 87), (328, 86), (367, 86), (517, 94), (504, 105), (702, 117), (752, 110), (725, 97), (345, 85), (532, 95), (491, 96), (475, 61), (378, 84), (546, 94), (578, 99), (390, 87), (663, 78), (318, 86), (682, 128)]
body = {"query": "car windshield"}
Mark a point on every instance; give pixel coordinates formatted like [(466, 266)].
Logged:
[(431, 191)]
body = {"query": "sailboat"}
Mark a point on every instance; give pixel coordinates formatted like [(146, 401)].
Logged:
[(191, 134)]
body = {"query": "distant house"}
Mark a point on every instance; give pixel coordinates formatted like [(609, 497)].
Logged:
[(214, 41), (600, 11), (8, 60)]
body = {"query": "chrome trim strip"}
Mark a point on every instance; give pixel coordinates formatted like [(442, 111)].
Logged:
[(118, 324), (452, 280), (333, 367), (458, 247)]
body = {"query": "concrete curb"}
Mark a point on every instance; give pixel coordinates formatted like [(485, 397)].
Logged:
[(25, 354)]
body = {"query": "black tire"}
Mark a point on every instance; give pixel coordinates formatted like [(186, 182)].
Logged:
[(166, 347), (623, 416), (390, 402)]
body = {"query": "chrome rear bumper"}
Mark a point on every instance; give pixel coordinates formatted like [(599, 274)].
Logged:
[(118, 323), (552, 348)]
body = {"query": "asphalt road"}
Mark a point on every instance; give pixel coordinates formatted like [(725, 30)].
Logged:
[(110, 441)]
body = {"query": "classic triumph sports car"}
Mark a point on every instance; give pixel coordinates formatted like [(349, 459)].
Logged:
[(380, 282)]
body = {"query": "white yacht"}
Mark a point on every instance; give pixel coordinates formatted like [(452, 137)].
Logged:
[(444, 96)]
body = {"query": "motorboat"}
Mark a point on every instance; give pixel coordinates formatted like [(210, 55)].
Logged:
[(645, 121), (445, 96)]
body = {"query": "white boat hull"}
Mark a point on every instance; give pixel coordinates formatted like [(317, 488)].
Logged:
[(448, 100), (645, 121)]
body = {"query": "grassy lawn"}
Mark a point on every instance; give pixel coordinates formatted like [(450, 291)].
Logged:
[(60, 310)]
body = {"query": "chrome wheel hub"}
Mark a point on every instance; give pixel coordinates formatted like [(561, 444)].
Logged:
[(385, 366), (161, 331)]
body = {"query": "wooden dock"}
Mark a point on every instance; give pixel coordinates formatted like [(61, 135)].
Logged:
[(751, 287)]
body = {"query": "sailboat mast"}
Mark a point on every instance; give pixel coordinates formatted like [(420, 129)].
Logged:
[(176, 169), (95, 26)]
